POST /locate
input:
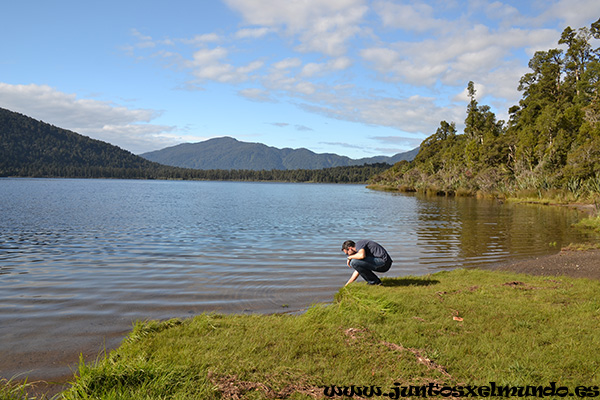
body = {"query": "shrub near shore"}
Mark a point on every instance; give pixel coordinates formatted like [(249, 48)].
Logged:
[(463, 327)]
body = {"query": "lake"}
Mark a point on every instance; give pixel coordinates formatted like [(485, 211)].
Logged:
[(81, 260)]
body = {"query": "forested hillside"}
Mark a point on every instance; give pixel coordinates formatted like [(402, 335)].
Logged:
[(550, 147), (31, 148)]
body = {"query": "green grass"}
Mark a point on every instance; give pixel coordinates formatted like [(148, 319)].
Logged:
[(510, 329), (591, 224), (16, 389), (10, 390)]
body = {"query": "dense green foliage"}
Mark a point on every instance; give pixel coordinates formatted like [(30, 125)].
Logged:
[(550, 145), (31, 148)]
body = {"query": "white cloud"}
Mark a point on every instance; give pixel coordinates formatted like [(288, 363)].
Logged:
[(298, 127), (202, 39), (209, 64), (148, 42), (252, 33), (256, 94), (249, 68), (469, 54), (288, 63), (340, 63), (321, 26), (329, 34), (573, 13), (384, 60), (303, 128), (125, 127), (416, 17), (315, 69), (396, 144), (505, 13), (144, 41), (415, 114), (296, 15), (306, 88)]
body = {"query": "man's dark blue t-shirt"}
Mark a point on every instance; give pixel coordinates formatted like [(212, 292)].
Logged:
[(373, 249)]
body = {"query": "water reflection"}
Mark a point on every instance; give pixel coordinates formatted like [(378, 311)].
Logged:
[(466, 232)]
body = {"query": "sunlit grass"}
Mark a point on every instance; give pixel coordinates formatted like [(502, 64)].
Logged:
[(11, 391), (458, 327), (15, 389)]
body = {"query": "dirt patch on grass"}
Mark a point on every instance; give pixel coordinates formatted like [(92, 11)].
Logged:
[(361, 333), (233, 388)]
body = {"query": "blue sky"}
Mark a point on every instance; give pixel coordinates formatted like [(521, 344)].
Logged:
[(352, 77)]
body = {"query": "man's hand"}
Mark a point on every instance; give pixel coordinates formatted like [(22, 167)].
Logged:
[(352, 278)]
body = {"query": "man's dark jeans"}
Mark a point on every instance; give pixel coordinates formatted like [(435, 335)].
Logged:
[(366, 266)]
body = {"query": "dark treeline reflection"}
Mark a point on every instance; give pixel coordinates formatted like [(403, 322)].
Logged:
[(479, 230)]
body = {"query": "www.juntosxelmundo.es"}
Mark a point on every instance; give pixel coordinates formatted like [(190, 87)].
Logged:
[(435, 390)]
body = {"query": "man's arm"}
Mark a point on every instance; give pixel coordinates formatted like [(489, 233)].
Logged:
[(352, 278), (359, 255)]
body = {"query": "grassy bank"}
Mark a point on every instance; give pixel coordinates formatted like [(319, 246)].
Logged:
[(590, 225), (581, 195), (464, 327)]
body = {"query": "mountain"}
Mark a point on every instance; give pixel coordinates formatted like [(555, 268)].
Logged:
[(32, 148), (228, 153), (29, 147), (406, 156)]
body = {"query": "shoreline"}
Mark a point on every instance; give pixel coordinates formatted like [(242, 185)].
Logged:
[(575, 264), (571, 263)]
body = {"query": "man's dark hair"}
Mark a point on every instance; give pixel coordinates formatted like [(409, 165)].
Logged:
[(347, 244)]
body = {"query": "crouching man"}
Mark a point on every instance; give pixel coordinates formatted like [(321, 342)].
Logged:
[(366, 257)]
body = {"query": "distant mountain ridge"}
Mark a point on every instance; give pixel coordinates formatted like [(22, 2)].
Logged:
[(228, 153)]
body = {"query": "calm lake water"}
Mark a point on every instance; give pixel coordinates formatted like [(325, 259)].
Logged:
[(81, 260)]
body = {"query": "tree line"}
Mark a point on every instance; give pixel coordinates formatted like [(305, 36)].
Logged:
[(549, 146), (347, 174)]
